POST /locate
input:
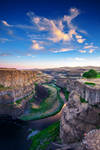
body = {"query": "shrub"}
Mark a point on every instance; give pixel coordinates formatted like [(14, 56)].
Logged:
[(90, 83), (90, 74)]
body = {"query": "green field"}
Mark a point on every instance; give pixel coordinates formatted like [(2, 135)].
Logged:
[(90, 83), (98, 75), (41, 140)]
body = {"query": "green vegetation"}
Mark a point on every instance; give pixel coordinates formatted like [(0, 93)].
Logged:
[(83, 100), (20, 100), (48, 107), (98, 75), (90, 83), (4, 88), (66, 93), (41, 140), (90, 74)]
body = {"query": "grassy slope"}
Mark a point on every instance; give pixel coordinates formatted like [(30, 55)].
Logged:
[(46, 108), (41, 140), (66, 93), (90, 83)]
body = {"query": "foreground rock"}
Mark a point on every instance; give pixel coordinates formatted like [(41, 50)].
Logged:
[(92, 140), (77, 119)]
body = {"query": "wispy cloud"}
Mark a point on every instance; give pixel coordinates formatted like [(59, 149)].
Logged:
[(55, 28), (79, 59), (63, 50), (91, 51), (82, 51), (5, 23), (5, 54), (36, 45)]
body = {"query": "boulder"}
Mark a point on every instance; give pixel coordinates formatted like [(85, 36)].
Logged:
[(77, 119), (92, 140)]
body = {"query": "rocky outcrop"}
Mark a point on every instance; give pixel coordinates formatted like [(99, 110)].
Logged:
[(89, 93), (41, 92), (92, 140), (77, 119), (16, 85)]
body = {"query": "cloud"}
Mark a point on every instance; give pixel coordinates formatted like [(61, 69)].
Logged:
[(63, 50), (80, 40), (56, 28), (5, 54), (5, 23), (79, 59), (91, 51), (3, 40), (82, 51), (74, 12), (90, 46), (36, 45)]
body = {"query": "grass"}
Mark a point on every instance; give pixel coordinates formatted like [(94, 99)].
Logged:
[(83, 100), (4, 88), (20, 100), (98, 75), (47, 107), (41, 140), (90, 83), (66, 93)]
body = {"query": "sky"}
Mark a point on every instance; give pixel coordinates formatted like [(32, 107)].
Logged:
[(49, 33)]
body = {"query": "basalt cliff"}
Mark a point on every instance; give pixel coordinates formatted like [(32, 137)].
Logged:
[(16, 85)]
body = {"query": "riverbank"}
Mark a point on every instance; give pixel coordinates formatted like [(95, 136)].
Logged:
[(49, 107)]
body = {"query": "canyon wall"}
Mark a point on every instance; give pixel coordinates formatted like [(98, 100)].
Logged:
[(89, 93), (18, 85)]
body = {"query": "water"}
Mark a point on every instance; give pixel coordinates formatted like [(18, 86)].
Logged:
[(14, 133)]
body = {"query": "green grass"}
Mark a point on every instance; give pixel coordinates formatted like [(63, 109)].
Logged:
[(41, 140), (98, 75), (66, 93), (83, 100), (20, 100), (46, 105), (4, 88), (90, 83)]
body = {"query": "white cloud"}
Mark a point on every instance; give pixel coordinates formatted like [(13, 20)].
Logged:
[(80, 40), (5, 23), (91, 51), (79, 59), (36, 45), (82, 51), (55, 28), (90, 46), (63, 50)]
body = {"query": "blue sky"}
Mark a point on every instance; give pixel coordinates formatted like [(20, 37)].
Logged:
[(49, 33)]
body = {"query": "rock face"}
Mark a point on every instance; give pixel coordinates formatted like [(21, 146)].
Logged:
[(16, 85), (41, 93), (92, 140), (77, 119), (89, 93)]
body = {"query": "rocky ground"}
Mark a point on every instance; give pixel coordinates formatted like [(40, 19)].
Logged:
[(80, 123)]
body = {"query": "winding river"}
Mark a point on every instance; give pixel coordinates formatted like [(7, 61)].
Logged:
[(13, 134)]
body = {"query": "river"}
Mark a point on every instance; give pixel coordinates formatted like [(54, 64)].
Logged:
[(13, 134)]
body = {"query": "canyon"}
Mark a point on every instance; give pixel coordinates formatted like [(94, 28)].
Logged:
[(79, 119)]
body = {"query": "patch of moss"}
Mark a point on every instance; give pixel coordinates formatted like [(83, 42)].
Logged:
[(90, 83), (83, 100), (66, 93), (41, 140)]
